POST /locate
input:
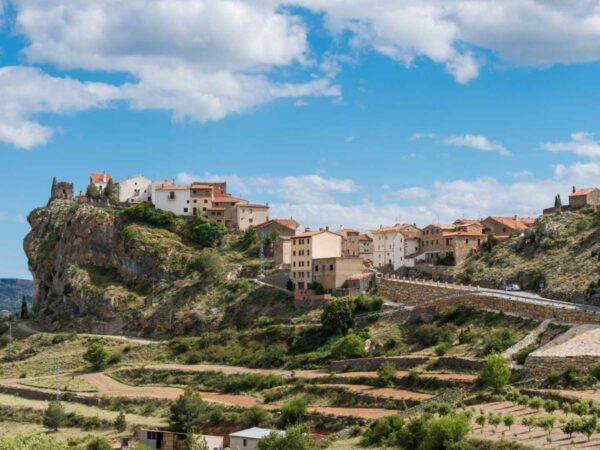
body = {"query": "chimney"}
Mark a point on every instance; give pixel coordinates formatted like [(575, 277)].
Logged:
[(307, 229), (327, 228)]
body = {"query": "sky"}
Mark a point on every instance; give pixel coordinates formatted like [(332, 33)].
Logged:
[(335, 112)]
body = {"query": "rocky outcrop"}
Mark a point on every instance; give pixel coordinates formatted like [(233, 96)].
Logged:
[(91, 268)]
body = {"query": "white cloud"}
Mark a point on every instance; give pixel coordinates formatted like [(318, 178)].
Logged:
[(413, 193), (519, 174), (477, 142), (26, 92), (581, 144), (203, 60)]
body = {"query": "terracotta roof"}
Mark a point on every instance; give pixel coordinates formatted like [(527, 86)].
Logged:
[(289, 223), (412, 234), (443, 226), (582, 192), (313, 233), (467, 222), (364, 237), (462, 233), (97, 177), (518, 223), (348, 230), (227, 198), (397, 227), (201, 186), (172, 187)]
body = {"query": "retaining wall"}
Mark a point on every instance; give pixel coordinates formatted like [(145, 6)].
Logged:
[(540, 366), (33, 394), (458, 364), (368, 364)]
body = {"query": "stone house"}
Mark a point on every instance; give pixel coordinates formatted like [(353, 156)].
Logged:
[(61, 190), (504, 227), (585, 197), (135, 189), (246, 215), (282, 227), (455, 242), (100, 180), (308, 246), (365, 247), (282, 250), (332, 273), (350, 244)]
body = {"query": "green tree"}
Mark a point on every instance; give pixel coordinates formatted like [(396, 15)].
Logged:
[(96, 355), (550, 406), (495, 372), (571, 427), (120, 422), (295, 438), (289, 285), (481, 420), (386, 372), (337, 316), (210, 265), (193, 442), (207, 233), (54, 416), (535, 403), (508, 420), (547, 423), (99, 443), (349, 346), (588, 426), (495, 420), (293, 411), (255, 416), (595, 370), (111, 193), (24, 308), (443, 433), (92, 192), (185, 413), (490, 243)]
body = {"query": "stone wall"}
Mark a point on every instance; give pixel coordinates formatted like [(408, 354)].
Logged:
[(36, 394), (450, 295), (368, 364), (457, 363), (540, 366)]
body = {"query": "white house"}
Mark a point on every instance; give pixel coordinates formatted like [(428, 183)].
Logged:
[(388, 247), (248, 439), (100, 180), (173, 198), (135, 189)]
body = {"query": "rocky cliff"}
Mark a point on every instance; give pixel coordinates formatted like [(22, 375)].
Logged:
[(558, 257), (94, 270)]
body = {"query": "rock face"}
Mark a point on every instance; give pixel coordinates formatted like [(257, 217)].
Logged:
[(91, 268)]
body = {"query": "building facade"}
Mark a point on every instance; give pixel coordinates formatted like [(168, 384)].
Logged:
[(504, 227), (365, 247), (351, 243), (135, 189), (333, 273), (585, 197), (100, 180), (311, 245), (388, 247)]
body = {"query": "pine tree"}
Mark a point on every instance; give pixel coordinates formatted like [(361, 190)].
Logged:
[(111, 193), (54, 416), (24, 308), (92, 192), (120, 422)]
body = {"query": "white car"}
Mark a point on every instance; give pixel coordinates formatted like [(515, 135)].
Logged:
[(511, 287)]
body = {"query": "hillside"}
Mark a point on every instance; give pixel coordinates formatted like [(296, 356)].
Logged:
[(11, 291), (136, 271), (559, 257)]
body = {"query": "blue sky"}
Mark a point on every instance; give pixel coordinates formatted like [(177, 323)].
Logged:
[(337, 112)]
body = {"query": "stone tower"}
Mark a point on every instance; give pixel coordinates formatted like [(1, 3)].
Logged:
[(61, 190)]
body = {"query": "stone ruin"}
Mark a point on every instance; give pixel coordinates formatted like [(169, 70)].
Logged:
[(61, 190)]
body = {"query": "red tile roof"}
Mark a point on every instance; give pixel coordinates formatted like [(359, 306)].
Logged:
[(583, 192), (172, 187), (289, 223), (97, 177), (364, 237), (227, 198), (514, 223)]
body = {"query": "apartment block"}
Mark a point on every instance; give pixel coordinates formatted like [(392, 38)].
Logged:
[(306, 247)]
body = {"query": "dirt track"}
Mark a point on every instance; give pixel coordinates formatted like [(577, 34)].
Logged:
[(398, 394)]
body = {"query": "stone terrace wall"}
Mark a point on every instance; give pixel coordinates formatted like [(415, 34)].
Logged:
[(368, 364), (540, 366), (448, 295)]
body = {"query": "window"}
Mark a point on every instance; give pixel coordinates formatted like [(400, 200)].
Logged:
[(294, 253), (466, 240), (187, 201), (185, 210), (195, 201), (171, 195), (245, 443), (330, 266), (317, 268), (250, 220), (205, 201)]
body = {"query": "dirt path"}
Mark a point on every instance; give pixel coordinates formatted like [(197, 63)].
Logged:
[(398, 394), (536, 437)]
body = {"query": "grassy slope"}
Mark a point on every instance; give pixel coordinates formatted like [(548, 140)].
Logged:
[(562, 252)]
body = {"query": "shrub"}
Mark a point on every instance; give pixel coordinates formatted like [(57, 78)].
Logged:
[(120, 422), (495, 372), (498, 341), (368, 303), (99, 443), (442, 348), (386, 372), (255, 416), (444, 432), (207, 233), (146, 213), (96, 355), (210, 265), (535, 403), (466, 336), (316, 287), (349, 346), (293, 412), (382, 431), (337, 316), (595, 370), (295, 438)]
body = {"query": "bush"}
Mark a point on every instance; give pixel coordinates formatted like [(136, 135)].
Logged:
[(120, 422), (595, 370), (368, 303), (99, 443), (495, 372), (337, 316), (293, 412), (295, 438), (444, 432), (209, 265), (255, 416), (96, 355), (386, 372), (207, 233), (498, 341), (146, 213), (317, 288), (349, 346), (442, 348), (383, 431)]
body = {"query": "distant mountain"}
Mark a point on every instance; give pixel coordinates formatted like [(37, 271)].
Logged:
[(11, 291)]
